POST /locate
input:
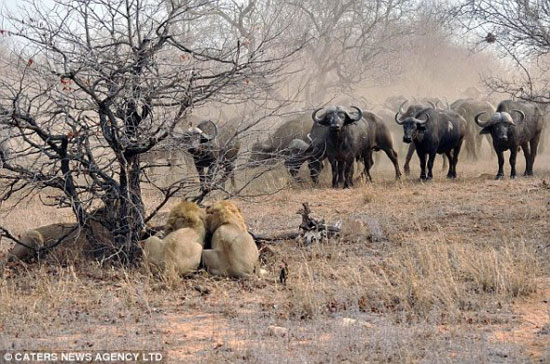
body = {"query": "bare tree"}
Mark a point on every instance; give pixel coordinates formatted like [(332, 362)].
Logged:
[(517, 29), (347, 40), (93, 85)]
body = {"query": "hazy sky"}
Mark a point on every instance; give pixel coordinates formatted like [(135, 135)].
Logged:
[(14, 4), (11, 4)]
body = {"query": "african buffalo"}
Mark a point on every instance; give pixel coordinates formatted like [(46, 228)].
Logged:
[(510, 134), (346, 141), (468, 109), (312, 151), (212, 150), (371, 134), (433, 131), (411, 149), (5, 136), (277, 144)]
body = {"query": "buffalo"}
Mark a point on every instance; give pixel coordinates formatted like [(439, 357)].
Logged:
[(314, 151), (432, 131), (379, 138), (411, 149), (5, 149), (212, 150), (510, 134), (346, 141), (468, 109), (279, 142)]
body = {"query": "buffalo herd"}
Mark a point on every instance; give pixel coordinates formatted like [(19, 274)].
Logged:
[(345, 136)]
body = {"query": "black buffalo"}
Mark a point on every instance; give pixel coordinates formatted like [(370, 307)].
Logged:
[(212, 151), (510, 134), (378, 137), (433, 131), (313, 151), (468, 109), (279, 143), (346, 141)]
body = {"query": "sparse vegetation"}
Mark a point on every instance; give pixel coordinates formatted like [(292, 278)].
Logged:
[(428, 264), (445, 271)]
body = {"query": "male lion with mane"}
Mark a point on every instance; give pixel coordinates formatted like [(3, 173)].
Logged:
[(234, 252), (179, 252)]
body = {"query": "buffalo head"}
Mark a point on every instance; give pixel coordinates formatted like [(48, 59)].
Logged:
[(296, 154), (336, 117), (413, 120), (260, 151), (498, 125), (197, 136)]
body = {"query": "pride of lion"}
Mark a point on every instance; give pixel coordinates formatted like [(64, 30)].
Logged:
[(215, 238)]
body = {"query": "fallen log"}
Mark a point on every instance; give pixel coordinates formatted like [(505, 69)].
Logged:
[(310, 230)]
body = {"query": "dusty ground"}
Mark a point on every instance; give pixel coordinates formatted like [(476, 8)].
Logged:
[(447, 271)]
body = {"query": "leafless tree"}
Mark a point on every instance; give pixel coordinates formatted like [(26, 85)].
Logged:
[(92, 85), (347, 40), (517, 29)]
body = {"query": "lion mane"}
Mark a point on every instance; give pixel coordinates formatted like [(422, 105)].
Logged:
[(179, 252), (234, 252), (224, 212), (186, 214)]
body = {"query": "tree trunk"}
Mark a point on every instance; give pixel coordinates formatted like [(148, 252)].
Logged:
[(131, 209)]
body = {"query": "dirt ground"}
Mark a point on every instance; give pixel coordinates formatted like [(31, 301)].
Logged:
[(445, 271)]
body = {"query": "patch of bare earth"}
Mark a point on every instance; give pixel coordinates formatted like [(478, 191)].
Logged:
[(532, 331)]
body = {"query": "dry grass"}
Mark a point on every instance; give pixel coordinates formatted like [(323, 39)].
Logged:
[(452, 271)]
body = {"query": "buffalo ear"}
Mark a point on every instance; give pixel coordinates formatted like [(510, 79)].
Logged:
[(322, 121), (349, 120), (485, 131)]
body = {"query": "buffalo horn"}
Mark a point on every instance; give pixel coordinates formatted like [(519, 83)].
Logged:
[(359, 114), (314, 116), (522, 115), (482, 124)]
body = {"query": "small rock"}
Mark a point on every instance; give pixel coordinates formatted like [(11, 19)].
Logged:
[(347, 322), (277, 331), (366, 324)]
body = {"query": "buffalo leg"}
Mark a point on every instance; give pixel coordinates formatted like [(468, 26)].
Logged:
[(470, 143), (422, 157), (534, 146), (348, 173), (203, 178), (444, 163), (334, 167), (341, 170), (513, 154), (367, 160), (500, 172), (431, 160), (315, 166), (478, 144), (527, 155), (454, 162), (392, 155), (410, 153), (450, 172), (228, 168)]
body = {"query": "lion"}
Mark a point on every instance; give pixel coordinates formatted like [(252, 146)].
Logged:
[(234, 252), (186, 214), (179, 252), (49, 236)]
